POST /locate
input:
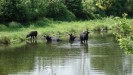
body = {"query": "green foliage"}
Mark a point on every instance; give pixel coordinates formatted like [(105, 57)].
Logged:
[(18, 34), (3, 27), (14, 25), (4, 40), (127, 44), (25, 11), (111, 7), (12, 10), (123, 32), (21, 10), (92, 11), (117, 8), (100, 28), (75, 6), (43, 22), (58, 11), (36, 9), (129, 7)]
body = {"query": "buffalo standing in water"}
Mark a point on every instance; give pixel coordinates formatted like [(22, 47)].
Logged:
[(32, 35), (71, 38), (51, 39), (84, 36)]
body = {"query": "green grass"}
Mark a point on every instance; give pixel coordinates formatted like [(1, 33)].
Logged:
[(18, 34)]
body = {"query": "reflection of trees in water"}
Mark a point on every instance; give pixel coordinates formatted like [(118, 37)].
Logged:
[(102, 37), (107, 59), (58, 60), (105, 55), (15, 61), (31, 42), (25, 58)]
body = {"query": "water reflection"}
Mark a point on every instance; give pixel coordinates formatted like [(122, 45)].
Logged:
[(101, 56), (31, 42)]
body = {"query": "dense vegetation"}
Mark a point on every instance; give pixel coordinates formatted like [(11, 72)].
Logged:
[(32, 10), (27, 15), (124, 33)]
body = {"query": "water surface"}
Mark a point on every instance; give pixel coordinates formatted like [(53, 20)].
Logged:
[(101, 56)]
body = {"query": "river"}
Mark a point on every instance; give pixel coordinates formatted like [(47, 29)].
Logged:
[(101, 56)]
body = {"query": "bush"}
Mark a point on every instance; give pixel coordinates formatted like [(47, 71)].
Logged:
[(123, 33), (14, 24), (129, 7), (116, 9), (2, 27), (75, 6), (42, 22), (90, 11), (58, 11), (13, 10)]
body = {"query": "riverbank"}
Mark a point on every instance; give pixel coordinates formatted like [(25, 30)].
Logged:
[(17, 33)]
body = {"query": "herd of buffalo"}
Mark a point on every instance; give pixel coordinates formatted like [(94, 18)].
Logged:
[(83, 37)]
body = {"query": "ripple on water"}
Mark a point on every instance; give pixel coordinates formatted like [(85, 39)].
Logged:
[(79, 45), (69, 46)]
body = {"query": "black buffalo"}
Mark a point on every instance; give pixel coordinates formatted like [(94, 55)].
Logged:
[(32, 35), (50, 39), (84, 36), (71, 37)]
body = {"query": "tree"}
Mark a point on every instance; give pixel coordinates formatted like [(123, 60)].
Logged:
[(11, 11), (75, 6), (112, 7)]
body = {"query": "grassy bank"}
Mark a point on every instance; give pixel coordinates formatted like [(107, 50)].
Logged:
[(17, 33)]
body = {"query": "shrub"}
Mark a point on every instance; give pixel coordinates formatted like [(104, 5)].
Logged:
[(123, 33), (43, 22), (2, 27), (90, 11), (58, 11), (75, 6), (14, 24), (40, 23), (12, 10), (129, 7)]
